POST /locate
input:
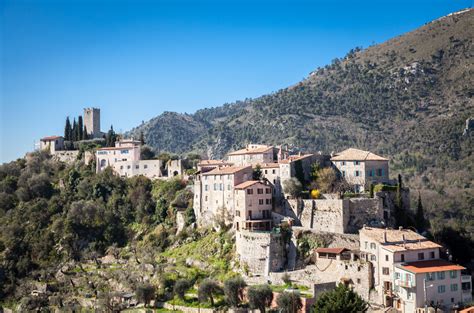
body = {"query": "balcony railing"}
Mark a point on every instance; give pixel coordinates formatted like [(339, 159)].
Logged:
[(405, 283)]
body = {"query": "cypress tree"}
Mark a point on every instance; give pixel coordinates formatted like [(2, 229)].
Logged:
[(85, 135), (67, 130), (142, 138), (80, 128), (74, 130), (420, 215)]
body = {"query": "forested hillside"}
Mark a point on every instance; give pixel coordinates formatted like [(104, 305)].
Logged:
[(407, 98)]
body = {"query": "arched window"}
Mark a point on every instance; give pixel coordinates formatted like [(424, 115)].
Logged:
[(102, 162)]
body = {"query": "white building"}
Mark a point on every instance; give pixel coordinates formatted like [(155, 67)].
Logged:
[(361, 168), (52, 144), (386, 247), (439, 280)]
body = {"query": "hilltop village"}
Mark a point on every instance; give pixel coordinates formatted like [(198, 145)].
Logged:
[(343, 230)]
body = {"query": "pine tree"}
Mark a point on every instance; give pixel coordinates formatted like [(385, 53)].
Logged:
[(142, 138), (420, 216), (111, 137), (80, 128), (67, 130), (85, 135)]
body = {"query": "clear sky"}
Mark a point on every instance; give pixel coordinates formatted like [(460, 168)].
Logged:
[(136, 59)]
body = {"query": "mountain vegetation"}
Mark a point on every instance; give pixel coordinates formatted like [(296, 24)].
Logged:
[(408, 99)]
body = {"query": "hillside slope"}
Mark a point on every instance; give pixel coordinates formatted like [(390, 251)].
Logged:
[(408, 98)]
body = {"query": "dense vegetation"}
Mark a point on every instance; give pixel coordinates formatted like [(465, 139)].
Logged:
[(56, 217), (408, 99)]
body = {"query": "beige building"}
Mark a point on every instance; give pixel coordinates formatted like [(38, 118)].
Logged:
[(148, 168), (386, 247), (109, 156), (208, 165), (253, 206), (52, 143), (439, 280), (214, 191), (361, 168), (253, 154)]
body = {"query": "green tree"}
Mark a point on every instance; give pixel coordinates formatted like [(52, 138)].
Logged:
[(74, 131), (142, 138), (67, 130), (80, 128), (326, 180), (257, 172), (293, 187), (260, 297), (208, 289), (145, 293), (420, 222), (341, 299), (289, 302), (234, 291), (181, 286)]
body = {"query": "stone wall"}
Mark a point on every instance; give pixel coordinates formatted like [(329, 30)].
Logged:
[(67, 156), (335, 215), (259, 251)]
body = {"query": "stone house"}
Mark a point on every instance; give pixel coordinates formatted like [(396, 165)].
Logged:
[(253, 154), (439, 280), (384, 248), (148, 168), (52, 144), (253, 206), (208, 165), (110, 155), (361, 168), (214, 191)]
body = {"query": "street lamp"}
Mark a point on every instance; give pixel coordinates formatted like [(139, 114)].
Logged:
[(424, 288)]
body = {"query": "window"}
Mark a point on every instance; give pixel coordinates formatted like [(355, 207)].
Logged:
[(268, 201), (440, 275), (123, 151), (206, 187), (121, 167), (205, 199), (466, 286), (358, 280), (145, 166), (430, 276), (385, 271), (250, 214), (137, 166), (260, 201), (386, 257), (366, 244), (453, 274), (266, 171), (268, 190), (221, 186), (273, 171), (357, 173), (442, 289), (421, 256), (260, 191), (397, 275), (356, 162), (454, 287), (409, 295), (373, 258), (128, 166), (408, 277), (402, 257), (432, 254), (237, 213), (250, 191), (215, 186), (372, 245), (380, 172), (343, 173)]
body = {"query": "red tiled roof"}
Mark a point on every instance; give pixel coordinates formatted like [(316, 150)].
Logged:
[(431, 266), (50, 138), (227, 170), (331, 250), (247, 184)]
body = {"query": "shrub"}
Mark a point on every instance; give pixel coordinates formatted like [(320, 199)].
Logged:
[(293, 187), (341, 299), (145, 293), (315, 194)]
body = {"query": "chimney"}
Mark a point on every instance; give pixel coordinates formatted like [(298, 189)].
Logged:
[(400, 228), (403, 238), (384, 236)]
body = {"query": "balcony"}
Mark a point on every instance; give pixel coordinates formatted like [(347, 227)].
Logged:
[(404, 283)]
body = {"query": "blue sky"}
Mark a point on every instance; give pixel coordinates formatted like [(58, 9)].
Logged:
[(136, 59)]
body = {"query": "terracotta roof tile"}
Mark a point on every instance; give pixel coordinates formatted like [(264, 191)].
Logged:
[(251, 151), (430, 266), (331, 250), (227, 170), (49, 138), (248, 184), (352, 154)]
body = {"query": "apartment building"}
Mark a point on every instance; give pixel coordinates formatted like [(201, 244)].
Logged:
[(253, 154)]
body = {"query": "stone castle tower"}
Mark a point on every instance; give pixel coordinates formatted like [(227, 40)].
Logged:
[(92, 122)]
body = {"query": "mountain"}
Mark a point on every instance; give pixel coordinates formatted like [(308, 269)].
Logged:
[(408, 98)]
